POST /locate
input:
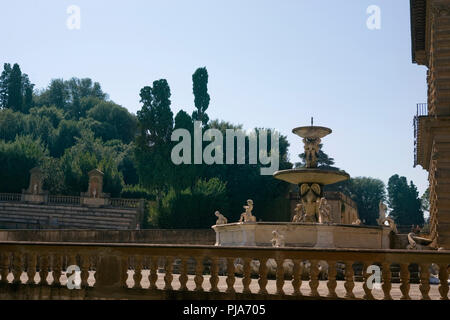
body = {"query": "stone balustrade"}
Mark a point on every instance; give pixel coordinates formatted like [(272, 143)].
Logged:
[(11, 197), (72, 200), (139, 271)]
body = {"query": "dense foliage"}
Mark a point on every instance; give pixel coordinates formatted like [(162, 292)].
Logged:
[(72, 127)]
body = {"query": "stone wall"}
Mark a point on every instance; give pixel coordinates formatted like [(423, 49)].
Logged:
[(149, 236), (42, 216)]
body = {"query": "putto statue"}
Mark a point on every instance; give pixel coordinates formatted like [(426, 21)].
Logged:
[(324, 211), (382, 208), (277, 240), (220, 218), (382, 218), (299, 213), (247, 216)]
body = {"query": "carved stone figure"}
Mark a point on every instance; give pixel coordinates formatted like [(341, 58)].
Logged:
[(357, 222), (309, 195), (312, 147), (247, 216), (382, 218), (418, 243), (299, 213), (277, 240), (382, 208), (221, 219), (324, 211), (391, 224)]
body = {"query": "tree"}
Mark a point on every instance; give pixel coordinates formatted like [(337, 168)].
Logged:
[(367, 193), (15, 99), (90, 153), (201, 96), (191, 208), (113, 122), (57, 94), (4, 85), (68, 131), (153, 144), (27, 88), (17, 158), (404, 201), (426, 200)]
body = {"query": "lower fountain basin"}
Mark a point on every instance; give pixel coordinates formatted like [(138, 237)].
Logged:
[(303, 235)]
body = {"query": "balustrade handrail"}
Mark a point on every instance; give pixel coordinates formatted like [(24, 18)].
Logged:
[(123, 257), (73, 200)]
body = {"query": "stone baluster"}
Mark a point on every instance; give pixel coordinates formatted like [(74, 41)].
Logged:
[(366, 275), (85, 266), (230, 276), (246, 280), (153, 272), (56, 269), (387, 285), (425, 281), (43, 269), (137, 276), (443, 277), (31, 268), (332, 284), (183, 274), (314, 278), (4, 266), (297, 278), (280, 277), (349, 283), (404, 278), (17, 267), (198, 279), (124, 263), (214, 279), (262, 276), (168, 277)]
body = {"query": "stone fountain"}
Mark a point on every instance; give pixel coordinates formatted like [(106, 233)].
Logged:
[(312, 225)]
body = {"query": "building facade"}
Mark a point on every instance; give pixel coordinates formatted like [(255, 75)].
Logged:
[(430, 35)]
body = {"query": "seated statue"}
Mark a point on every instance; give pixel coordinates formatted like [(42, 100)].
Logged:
[(357, 222), (221, 219), (299, 213), (278, 240), (247, 216), (324, 211)]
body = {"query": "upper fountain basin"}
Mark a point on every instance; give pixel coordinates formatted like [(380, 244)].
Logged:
[(312, 132), (309, 175)]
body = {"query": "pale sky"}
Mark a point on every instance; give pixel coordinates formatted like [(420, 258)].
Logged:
[(271, 64)]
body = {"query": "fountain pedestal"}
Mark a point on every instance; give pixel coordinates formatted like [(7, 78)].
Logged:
[(303, 235)]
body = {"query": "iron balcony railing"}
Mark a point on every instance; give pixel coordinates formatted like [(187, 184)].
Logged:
[(421, 111)]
